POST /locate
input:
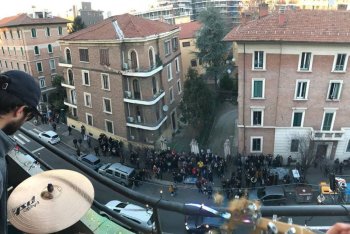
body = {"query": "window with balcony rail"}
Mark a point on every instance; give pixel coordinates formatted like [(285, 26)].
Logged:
[(70, 77), (68, 56), (136, 89), (151, 57), (133, 58)]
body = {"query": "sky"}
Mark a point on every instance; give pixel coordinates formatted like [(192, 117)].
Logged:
[(61, 7)]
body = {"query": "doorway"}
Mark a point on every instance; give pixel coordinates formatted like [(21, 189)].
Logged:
[(321, 152)]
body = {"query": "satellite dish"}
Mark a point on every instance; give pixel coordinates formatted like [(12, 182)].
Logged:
[(165, 108)]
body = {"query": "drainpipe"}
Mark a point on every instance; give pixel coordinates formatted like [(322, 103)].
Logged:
[(244, 79)]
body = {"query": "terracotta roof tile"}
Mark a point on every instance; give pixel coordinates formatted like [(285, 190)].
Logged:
[(130, 26), (299, 26), (24, 19), (188, 30)]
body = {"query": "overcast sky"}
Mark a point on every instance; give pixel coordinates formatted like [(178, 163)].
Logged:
[(61, 7)]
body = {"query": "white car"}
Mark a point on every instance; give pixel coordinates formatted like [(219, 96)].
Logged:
[(50, 137), (132, 212)]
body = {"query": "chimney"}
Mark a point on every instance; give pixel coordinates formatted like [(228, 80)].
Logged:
[(281, 16), (246, 17), (263, 10)]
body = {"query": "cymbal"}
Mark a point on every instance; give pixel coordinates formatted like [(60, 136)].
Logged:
[(50, 201)]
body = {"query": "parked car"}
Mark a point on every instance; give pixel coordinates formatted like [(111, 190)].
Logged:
[(271, 195), (132, 212), (118, 173), (204, 219), (91, 161), (50, 137)]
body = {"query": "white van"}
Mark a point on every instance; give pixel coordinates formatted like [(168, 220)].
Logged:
[(119, 173)]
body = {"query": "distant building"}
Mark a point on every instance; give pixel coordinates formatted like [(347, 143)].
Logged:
[(188, 47), (88, 15), (123, 78), (294, 84), (31, 45)]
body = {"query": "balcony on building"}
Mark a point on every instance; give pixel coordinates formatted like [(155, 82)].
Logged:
[(65, 61), (328, 135), (137, 122), (141, 71), (70, 102), (68, 84), (135, 98)]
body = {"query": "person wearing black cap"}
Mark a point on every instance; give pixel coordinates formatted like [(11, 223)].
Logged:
[(19, 97)]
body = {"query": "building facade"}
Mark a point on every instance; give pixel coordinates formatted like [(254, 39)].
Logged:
[(89, 16), (294, 84), (123, 78), (31, 45), (188, 47)]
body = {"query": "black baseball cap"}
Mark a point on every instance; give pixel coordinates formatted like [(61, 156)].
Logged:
[(23, 86)]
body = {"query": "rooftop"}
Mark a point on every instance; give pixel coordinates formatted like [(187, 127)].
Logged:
[(296, 26), (121, 27), (24, 19), (188, 30)]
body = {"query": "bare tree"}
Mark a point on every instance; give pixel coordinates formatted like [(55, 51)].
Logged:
[(302, 145)]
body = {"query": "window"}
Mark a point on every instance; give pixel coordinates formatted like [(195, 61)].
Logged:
[(298, 118), (87, 100), (258, 88), (18, 34), (8, 50), (52, 64), (107, 105), (348, 147), (174, 43), (33, 33), (25, 67), (48, 32), (104, 57), (133, 59), (186, 44), (11, 64), (3, 50), (42, 83), (167, 47), (328, 120), (60, 30), (105, 81), (5, 35), (22, 52), (169, 72), (36, 50), (256, 144), (11, 34), (84, 55), (6, 64), (193, 62), (151, 58), (14, 50), (294, 145), (177, 65), (154, 85), (257, 117), (86, 78), (171, 94), (39, 67), (179, 86), (301, 89), (259, 60), (17, 66), (49, 48), (89, 119), (339, 62), (109, 126), (334, 90), (305, 61), (0, 63)]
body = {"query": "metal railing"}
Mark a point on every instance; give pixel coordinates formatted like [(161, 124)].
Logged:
[(158, 203)]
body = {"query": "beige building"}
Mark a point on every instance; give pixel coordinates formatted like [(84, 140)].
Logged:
[(123, 78), (294, 83), (188, 47), (31, 44)]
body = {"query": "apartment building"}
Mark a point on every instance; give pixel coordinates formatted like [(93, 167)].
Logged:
[(188, 47), (294, 83), (30, 44), (123, 78), (88, 15)]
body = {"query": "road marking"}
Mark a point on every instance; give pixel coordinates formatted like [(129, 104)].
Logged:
[(25, 138), (38, 149), (36, 130), (19, 140)]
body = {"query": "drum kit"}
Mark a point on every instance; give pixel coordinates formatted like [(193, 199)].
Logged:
[(50, 201)]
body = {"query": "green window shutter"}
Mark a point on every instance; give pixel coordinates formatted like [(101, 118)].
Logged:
[(258, 89), (327, 121), (297, 119)]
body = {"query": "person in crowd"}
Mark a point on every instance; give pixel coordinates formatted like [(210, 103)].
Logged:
[(19, 97), (75, 142), (69, 130)]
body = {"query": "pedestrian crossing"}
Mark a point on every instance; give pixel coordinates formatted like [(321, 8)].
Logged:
[(21, 139)]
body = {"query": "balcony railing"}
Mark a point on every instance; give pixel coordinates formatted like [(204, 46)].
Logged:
[(130, 98), (71, 103), (141, 71), (133, 121), (63, 62), (328, 135), (68, 84)]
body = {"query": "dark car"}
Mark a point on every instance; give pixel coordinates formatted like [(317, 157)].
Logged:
[(271, 195), (204, 219), (91, 161)]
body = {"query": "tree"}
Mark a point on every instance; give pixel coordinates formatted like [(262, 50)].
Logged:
[(212, 50), (77, 25), (56, 98), (303, 144), (197, 103)]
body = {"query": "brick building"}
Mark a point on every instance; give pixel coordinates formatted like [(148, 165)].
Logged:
[(31, 44), (123, 78), (294, 83)]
